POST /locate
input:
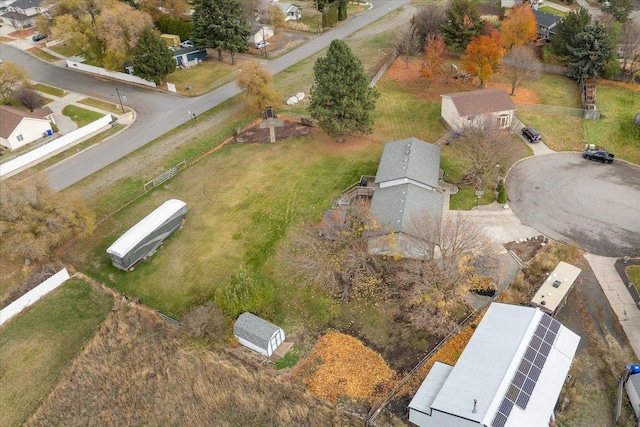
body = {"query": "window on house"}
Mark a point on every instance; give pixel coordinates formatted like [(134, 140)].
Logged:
[(20, 138), (504, 120)]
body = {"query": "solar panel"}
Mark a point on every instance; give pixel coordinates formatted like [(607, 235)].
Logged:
[(528, 386), (534, 373), (550, 337), (545, 348), (500, 420), (540, 361), (512, 393), (524, 367), (523, 400), (540, 331), (555, 325), (530, 354), (546, 320), (505, 407), (518, 380)]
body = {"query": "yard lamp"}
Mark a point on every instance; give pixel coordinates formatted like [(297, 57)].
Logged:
[(120, 99)]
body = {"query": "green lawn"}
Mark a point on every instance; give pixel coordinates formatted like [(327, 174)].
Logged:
[(81, 116), (40, 344), (553, 11), (66, 50), (49, 89), (633, 273), (45, 56), (203, 78), (107, 106)]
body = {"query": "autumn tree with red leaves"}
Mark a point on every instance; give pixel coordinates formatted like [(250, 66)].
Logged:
[(519, 27), (434, 55), (483, 56)]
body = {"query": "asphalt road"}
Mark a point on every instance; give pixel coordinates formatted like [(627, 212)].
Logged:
[(568, 198), (157, 112)]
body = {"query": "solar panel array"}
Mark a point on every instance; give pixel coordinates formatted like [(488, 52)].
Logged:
[(525, 378)]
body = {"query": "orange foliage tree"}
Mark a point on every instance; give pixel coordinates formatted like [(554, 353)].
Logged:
[(434, 54), (519, 27), (483, 56)]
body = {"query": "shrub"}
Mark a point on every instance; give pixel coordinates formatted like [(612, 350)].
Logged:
[(502, 192), (247, 290)]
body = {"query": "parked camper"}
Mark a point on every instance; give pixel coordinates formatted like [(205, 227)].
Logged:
[(144, 237)]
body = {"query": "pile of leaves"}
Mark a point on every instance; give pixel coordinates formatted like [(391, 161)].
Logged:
[(341, 366)]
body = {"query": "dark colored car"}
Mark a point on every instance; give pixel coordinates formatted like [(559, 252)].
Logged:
[(599, 155), (38, 37), (531, 134)]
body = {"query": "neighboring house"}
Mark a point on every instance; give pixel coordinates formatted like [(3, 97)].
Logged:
[(474, 108), (258, 334), (508, 4), (406, 192), (291, 11), (510, 373), (21, 14), (546, 23), (260, 33), (190, 56), (19, 127)]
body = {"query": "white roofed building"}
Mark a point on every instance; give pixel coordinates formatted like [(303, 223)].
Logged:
[(510, 373)]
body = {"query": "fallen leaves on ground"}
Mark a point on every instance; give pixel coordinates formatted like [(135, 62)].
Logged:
[(340, 365)]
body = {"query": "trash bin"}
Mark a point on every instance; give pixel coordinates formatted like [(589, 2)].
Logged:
[(363, 181), (49, 132)]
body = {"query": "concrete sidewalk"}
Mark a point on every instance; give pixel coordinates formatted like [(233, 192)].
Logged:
[(619, 298)]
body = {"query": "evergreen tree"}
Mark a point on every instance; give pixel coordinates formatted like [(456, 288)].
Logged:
[(220, 24), (341, 99), (620, 9), (462, 23), (588, 57), (567, 30), (151, 58)]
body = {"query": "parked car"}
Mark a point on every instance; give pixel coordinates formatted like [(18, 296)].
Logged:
[(262, 45), (531, 134), (599, 155), (38, 37), (187, 43)]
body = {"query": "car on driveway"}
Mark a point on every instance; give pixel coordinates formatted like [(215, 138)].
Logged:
[(38, 37), (599, 155), (262, 45), (187, 43), (531, 134)]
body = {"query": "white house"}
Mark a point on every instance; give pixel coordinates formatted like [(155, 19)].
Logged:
[(257, 334), (22, 13), (406, 190), (19, 127), (260, 33), (291, 11), (473, 108), (510, 373)]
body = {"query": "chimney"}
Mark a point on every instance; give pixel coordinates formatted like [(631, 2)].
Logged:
[(475, 402)]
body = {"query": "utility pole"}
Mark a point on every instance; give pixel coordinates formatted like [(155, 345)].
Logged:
[(120, 99)]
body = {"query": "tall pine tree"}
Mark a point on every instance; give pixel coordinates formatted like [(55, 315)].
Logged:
[(567, 30), (220, 24), (588, 57), (151, 58), (341, 99), (462, 23)]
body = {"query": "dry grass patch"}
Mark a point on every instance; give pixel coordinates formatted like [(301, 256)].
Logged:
[(138, 370)]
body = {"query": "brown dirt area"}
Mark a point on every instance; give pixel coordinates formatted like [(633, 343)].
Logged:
[(254, 134)]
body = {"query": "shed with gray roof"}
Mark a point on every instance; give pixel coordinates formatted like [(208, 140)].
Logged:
[(258, 334)]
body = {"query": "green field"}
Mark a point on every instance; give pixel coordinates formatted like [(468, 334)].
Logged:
[(633, 273), (39, 344), (107, 106), (81, 116), (49, 90)]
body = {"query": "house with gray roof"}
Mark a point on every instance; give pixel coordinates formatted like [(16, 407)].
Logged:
[(546, 24), (510, 373), (291, 12), (257, 334), (21, 14), (406, 191), (476, 107)]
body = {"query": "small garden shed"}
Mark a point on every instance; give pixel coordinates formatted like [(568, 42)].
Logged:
[(144, 237), (258, 334)]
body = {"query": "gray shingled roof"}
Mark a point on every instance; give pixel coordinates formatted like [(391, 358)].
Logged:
[(410, 158), (398, 205), (545, 19), (26, 4), (477, 102), (254, 329)]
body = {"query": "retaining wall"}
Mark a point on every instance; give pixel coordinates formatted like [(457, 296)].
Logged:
[(107, 73)]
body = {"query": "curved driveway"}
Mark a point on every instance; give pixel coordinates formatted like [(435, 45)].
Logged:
[(157, 112), (568, 198)]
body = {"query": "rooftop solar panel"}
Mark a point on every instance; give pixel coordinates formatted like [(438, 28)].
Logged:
[(500, 420)]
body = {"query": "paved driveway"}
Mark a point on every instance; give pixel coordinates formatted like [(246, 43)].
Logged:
[(569, 199)]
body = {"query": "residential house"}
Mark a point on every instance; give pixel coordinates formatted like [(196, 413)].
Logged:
[(291, 11), (19, 127), (22, 14), (260, 33), (508, 4), (546, 23), (406, 192), (509, 374), (475, 108), (189, 56)]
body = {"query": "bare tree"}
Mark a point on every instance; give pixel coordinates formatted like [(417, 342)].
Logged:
[(520, 66), (427, 20), (335, 254), (458, 255), (487, 148), (630, 43), (408, 44), (29, 98), (276, 17), (34, 220), (12, 76)]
